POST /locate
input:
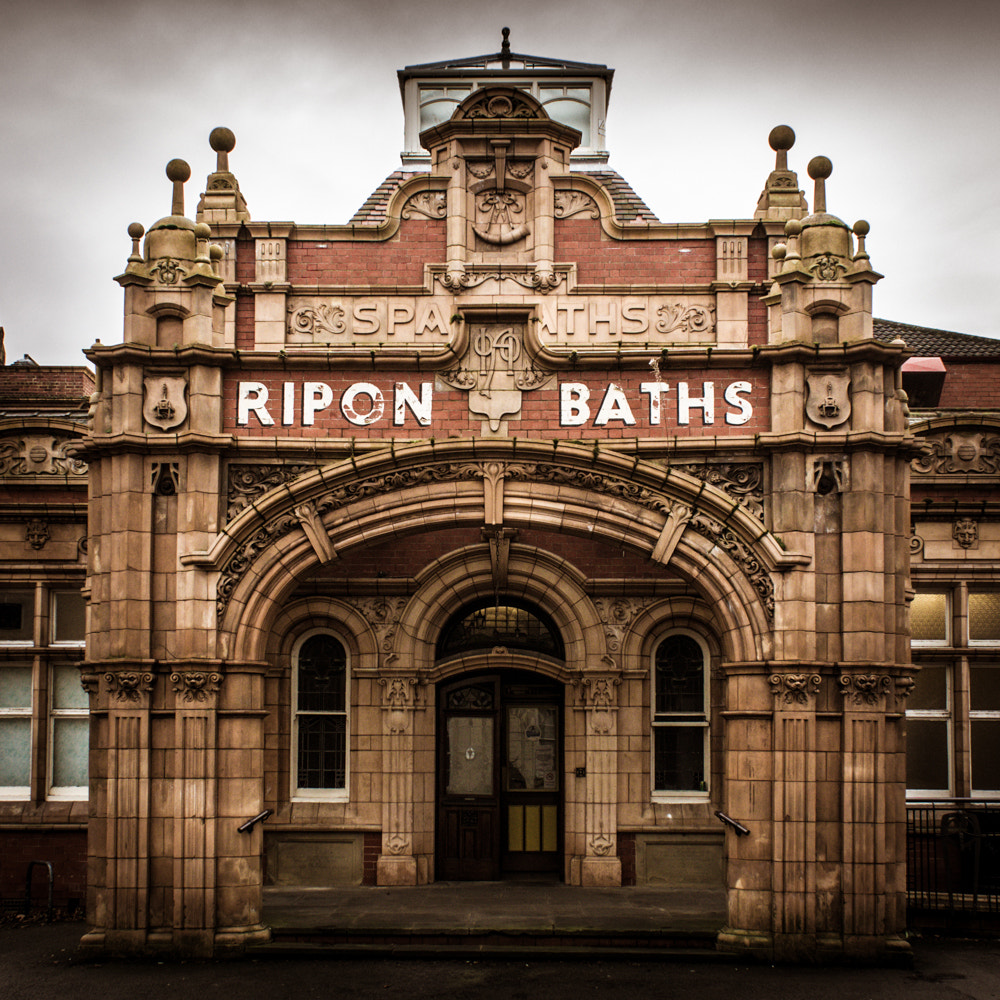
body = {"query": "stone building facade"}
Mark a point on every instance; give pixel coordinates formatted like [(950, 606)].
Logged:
[(507, 529)]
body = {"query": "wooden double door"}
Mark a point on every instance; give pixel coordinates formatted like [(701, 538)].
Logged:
[(499, 770)]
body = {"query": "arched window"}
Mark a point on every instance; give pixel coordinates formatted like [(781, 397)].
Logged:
[(507, 623), (319, 717), (680, 715)]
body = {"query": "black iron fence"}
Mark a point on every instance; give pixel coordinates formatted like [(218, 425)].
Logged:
[(953, 856)]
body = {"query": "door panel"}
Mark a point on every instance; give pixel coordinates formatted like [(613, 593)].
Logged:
[(499, 766)]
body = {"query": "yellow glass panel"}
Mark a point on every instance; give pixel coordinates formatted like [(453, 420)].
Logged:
[(515, 828), (984, 617), (532, 828), (550, 835), (928, 618)]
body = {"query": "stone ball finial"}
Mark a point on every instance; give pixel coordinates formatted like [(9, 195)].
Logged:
[(203, 230), (178, 170), (819, 168), (793, 227), (215, 252), (779, 251), (781, 137), (222, 139), (136, 230), (861, 228)]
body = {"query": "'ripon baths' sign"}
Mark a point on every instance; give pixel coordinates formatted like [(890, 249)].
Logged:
[(363, 404)]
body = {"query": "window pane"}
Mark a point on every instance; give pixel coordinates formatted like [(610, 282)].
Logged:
[(506, 625), (67, 692), (680, 676), (15, 687), (984, 617), (17, 615), (68, 609), (927, 754), (15, 752), (931, 691), (70, 744), (928, 618), (985, 755), (322, 751), (679, 758), (574, 114), (470, 755), (985, 693), (322, 666)]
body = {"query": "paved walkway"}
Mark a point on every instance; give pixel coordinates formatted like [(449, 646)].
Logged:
[(476, 908)]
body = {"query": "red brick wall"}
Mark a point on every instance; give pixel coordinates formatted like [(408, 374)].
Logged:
[(399, 260), (35, 386), (66, 849), (971, 384), (602, 260)]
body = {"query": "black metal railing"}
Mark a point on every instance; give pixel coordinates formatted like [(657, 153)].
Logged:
[(953, 855)]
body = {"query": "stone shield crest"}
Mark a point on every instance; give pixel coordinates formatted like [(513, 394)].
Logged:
[(829, 402), (165, 402)]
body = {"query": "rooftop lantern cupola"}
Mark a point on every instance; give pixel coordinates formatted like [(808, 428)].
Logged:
[(572, 93)]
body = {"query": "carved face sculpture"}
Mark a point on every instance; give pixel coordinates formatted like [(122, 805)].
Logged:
[(965, 532)]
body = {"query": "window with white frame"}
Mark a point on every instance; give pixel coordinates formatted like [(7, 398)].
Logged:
[(929, 733), (984, 728), (680, 716), (320, 729), (44, 711)]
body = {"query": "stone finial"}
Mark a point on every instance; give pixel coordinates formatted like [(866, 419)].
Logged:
[(136, 230), (819, 169), (861, 230), (178, 172), (222, 200), (505, 48), (223, 141), (781, 198)]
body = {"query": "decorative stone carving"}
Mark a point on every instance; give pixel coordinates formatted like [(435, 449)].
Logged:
[(570, 203), (165, 401), (196, 685), (829, 475), (495, 371), (90, 683), (396, 844), (500, 217), (617, 615), (865, 689), (916, 542), (36, 533), (538, 281), (687, 319), (904, 685), (249, 482), (382, 614), (398, 702), (755, 572), (509, 105), (167, 270), (827, 267), (744, 482), (316, 319), (602, 845), (129, 685), (960, 452), (165, 478), (38, 455), (794, 688), (965, 531), (829, 402), (431, 204)]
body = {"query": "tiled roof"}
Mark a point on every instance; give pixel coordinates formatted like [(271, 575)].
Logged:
[(928, 343), (372, 212), (629, 207)]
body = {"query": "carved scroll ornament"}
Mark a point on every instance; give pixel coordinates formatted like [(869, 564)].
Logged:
[(196, 685), (38, 455), (794, 688), (976, 452)]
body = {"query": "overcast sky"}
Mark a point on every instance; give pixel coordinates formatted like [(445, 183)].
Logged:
[(904, 97)]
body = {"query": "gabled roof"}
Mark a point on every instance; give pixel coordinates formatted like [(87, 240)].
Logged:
[(929, 343), (629, 207)]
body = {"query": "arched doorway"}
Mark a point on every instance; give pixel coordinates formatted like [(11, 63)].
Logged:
[(499, 750)]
